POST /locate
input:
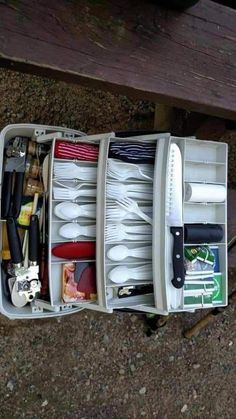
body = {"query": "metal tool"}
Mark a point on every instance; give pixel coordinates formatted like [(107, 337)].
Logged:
[(15, 154), (25, 285), (132, 290), (174, 203)]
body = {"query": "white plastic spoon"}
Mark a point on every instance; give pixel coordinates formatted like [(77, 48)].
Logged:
[(121, 252), (70, 210), (121, 274), (73, 230)]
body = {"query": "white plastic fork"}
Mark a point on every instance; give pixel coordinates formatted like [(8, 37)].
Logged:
[(72, 171), (119, 191), (115, 213), (122, 170), (71, 194), (131, 206), (119, 232)]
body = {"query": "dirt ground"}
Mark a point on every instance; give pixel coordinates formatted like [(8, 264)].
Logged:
[(91, 365)]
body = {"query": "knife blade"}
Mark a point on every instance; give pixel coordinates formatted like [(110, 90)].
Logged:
[(174, 213)]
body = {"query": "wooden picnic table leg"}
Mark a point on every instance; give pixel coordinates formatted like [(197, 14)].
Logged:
[(163, 117)]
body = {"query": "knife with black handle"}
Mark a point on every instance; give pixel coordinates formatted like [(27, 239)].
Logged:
[(174, 213)]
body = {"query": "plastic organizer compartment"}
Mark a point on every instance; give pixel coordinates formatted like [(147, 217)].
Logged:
[(32, 310), (203, 162), (55, 269), (213, 213), (147, 302)]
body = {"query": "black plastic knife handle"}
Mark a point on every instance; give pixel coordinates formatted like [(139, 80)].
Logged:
[(178, 257), (14, 241), (17, 195), (34, 239), (6, 194)]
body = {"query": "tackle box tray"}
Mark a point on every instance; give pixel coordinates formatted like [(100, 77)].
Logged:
[(203, 162)]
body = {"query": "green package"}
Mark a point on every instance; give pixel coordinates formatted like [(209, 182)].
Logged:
[(198, 288), (202, 253), (218, 289), (198, 301)]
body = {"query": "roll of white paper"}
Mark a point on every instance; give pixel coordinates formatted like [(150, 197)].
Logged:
[(201, 192)]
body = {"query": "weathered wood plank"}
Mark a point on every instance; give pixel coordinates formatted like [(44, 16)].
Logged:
[(132, 47)]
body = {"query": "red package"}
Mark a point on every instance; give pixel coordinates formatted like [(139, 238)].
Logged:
[(75, 250), (79, 151)]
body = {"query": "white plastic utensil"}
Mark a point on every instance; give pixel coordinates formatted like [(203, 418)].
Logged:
[(122, 171), (73, 193), (74, 230), (119, 232), (70, 170), (70, 211), (121, 274), (131, 206), (115, 213), (118, 191), (121, 252)]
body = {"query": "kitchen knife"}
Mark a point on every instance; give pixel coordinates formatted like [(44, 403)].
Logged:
[(174, 214)]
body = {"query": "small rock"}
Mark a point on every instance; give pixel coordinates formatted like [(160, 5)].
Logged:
[(230, 343), (139, 355), (142, 390), (171, 358), (133, 319), (122, 371), (143, 413), (194, 394), (88, 383), (184, 408), (10, 385), (45, 403), (126, 396), (105, 338), (132, 367), (88, 397), (196, 366)]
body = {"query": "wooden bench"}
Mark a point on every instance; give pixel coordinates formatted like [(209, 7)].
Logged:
[(132, 47)]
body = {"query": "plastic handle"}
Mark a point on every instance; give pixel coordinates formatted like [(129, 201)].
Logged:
[(178, 257), (34, 239), (14, 241), (6, 193), (18, 192)]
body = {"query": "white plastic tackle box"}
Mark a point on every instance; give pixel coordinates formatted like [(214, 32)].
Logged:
[(203, 162)]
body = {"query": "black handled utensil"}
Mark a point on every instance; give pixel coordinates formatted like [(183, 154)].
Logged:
[(174, 202), (13, 178), (14, 242)]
